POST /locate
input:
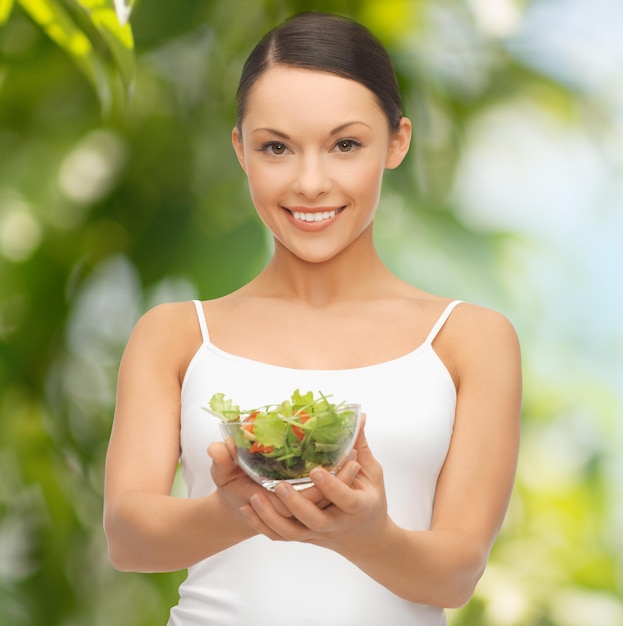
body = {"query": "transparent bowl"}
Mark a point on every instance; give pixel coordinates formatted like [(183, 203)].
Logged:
[(307, 445)]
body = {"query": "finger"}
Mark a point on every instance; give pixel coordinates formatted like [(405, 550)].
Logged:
[(334, 490), (220, 454), (346, 474), (310, 516), (256, 523), (266, 519), (361, 440), (224, 467), (225, 471), (225, 461), (364, 454), (341, 495)]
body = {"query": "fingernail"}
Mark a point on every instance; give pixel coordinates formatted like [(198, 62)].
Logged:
[(281, 489), (353, 455), (256, 502), (317, 475), (244, 512), (354, 470)]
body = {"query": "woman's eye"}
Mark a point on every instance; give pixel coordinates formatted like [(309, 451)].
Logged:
[(347, 145), (274, 147)]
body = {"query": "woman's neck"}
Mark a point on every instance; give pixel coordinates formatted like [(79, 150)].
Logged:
[(355, 273)]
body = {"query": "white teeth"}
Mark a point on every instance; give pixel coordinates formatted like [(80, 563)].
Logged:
[(313, 217)]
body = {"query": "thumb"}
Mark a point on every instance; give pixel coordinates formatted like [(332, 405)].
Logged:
[(221, 455), (224, 465), (361, 444)]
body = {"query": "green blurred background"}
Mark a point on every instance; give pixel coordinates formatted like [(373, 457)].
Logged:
[(119, 190)]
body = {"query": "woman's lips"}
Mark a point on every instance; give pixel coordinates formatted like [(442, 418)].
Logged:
[(314, 215)]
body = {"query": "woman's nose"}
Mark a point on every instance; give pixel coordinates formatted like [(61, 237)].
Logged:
[(312, 177)]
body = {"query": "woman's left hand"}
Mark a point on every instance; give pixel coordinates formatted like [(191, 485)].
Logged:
[(356, 512)]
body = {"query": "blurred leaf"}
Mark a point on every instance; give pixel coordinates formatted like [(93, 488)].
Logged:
[(123, 8), (116, 36), (101, 25), (392, 18), (61, 28), (5, 10)]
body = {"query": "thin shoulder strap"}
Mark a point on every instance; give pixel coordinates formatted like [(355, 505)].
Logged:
[(441, 321), (202, 321)]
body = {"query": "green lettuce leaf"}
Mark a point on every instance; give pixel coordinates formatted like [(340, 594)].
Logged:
[(301, 400), (225, 408), (270, 430)]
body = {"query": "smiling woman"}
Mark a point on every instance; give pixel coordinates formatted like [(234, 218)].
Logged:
[(405, 527), (316, 160)]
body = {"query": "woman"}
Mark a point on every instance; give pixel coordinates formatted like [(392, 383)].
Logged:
[(406, 527)]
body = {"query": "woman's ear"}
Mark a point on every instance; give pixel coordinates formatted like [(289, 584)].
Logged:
[(399, 144), (236, 140)]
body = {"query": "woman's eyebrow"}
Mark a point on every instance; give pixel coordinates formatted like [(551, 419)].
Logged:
[(341, 127), (272, 131), (279, 133)]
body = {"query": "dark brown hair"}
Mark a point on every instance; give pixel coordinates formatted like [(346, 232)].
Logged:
[(327, 43)]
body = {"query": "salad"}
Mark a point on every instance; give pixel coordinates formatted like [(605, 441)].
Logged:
[(285, 441)]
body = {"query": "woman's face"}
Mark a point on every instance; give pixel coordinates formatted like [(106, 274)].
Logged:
[(314, 147)]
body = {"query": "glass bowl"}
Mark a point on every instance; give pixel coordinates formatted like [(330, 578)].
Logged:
[(302, 442)]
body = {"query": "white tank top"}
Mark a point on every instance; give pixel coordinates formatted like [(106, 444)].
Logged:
[(410, 404)]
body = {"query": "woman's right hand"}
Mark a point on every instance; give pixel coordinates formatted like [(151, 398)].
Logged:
[(234, 486), (237, 488)]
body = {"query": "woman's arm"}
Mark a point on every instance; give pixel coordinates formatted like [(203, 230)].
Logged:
[(440, 566), (148, 529)]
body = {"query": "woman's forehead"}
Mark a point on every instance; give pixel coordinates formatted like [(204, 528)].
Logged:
[(287, 92)]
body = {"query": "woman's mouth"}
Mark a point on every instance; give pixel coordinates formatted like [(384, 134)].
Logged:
[(314, 216)]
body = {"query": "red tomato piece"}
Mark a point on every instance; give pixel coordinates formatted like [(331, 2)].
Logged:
[(298, 432), (248, 424), (258, 447)]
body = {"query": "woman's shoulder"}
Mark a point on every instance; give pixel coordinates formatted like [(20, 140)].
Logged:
[(473, 337), (167, 315), (168, 331), (481, 337), (164, 340), (460, 314), (477, 321), (462, 325)]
